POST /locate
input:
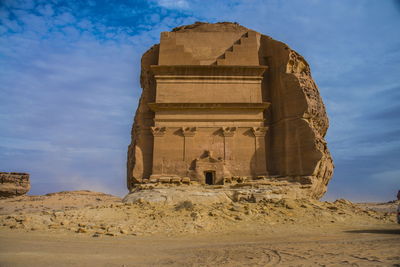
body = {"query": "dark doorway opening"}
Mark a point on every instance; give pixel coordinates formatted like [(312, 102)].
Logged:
[(209, 177)]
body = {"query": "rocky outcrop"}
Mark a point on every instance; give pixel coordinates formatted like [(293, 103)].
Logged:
[(14, 184), (297, 119), (296, 151)]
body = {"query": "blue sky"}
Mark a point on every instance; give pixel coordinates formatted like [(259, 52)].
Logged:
[(69, 83)]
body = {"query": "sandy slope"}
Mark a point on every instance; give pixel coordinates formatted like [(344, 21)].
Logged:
[(93, 229)]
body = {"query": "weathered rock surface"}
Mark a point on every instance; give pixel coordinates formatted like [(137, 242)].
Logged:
[(14, 184), (296, 121), (268, 189), (174, 195)]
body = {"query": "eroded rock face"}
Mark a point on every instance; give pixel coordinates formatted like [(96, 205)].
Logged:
[(14, 184), (222, 104)]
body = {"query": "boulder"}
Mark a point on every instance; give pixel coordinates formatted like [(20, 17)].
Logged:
[(14, 184)]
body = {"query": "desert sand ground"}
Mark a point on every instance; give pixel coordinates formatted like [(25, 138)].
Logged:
[(85, 228)]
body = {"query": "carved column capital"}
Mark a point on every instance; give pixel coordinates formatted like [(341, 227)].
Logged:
[(158, 131), (259, 131), (228, 131), (189, 131)]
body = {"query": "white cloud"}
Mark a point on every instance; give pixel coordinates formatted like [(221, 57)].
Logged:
[(11, 25), (25, 144), (46, 10), (64, 18), (347, 151), (390, 176), (87, 183), (173, 4)]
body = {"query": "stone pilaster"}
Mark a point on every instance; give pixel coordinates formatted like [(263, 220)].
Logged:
[(188, 134), (158, 134), (228, 133), (259, 150)]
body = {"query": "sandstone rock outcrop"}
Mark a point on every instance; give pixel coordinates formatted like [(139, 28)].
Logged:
[(224, 105), (14, 184)]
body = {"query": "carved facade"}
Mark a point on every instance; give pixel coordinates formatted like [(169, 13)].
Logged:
[(223, 103)]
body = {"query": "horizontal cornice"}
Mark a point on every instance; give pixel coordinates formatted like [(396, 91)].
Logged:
[(210, 71), (214, 106)]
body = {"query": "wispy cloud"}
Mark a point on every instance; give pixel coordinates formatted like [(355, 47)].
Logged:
[(390, 176), (173, 4)]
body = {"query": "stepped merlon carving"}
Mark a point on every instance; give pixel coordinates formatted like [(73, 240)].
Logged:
[(243, 52)]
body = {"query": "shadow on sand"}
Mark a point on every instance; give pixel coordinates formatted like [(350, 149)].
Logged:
[(376, 231)]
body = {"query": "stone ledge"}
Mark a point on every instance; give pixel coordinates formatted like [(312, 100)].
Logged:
[(207, 70), (213, 106)]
